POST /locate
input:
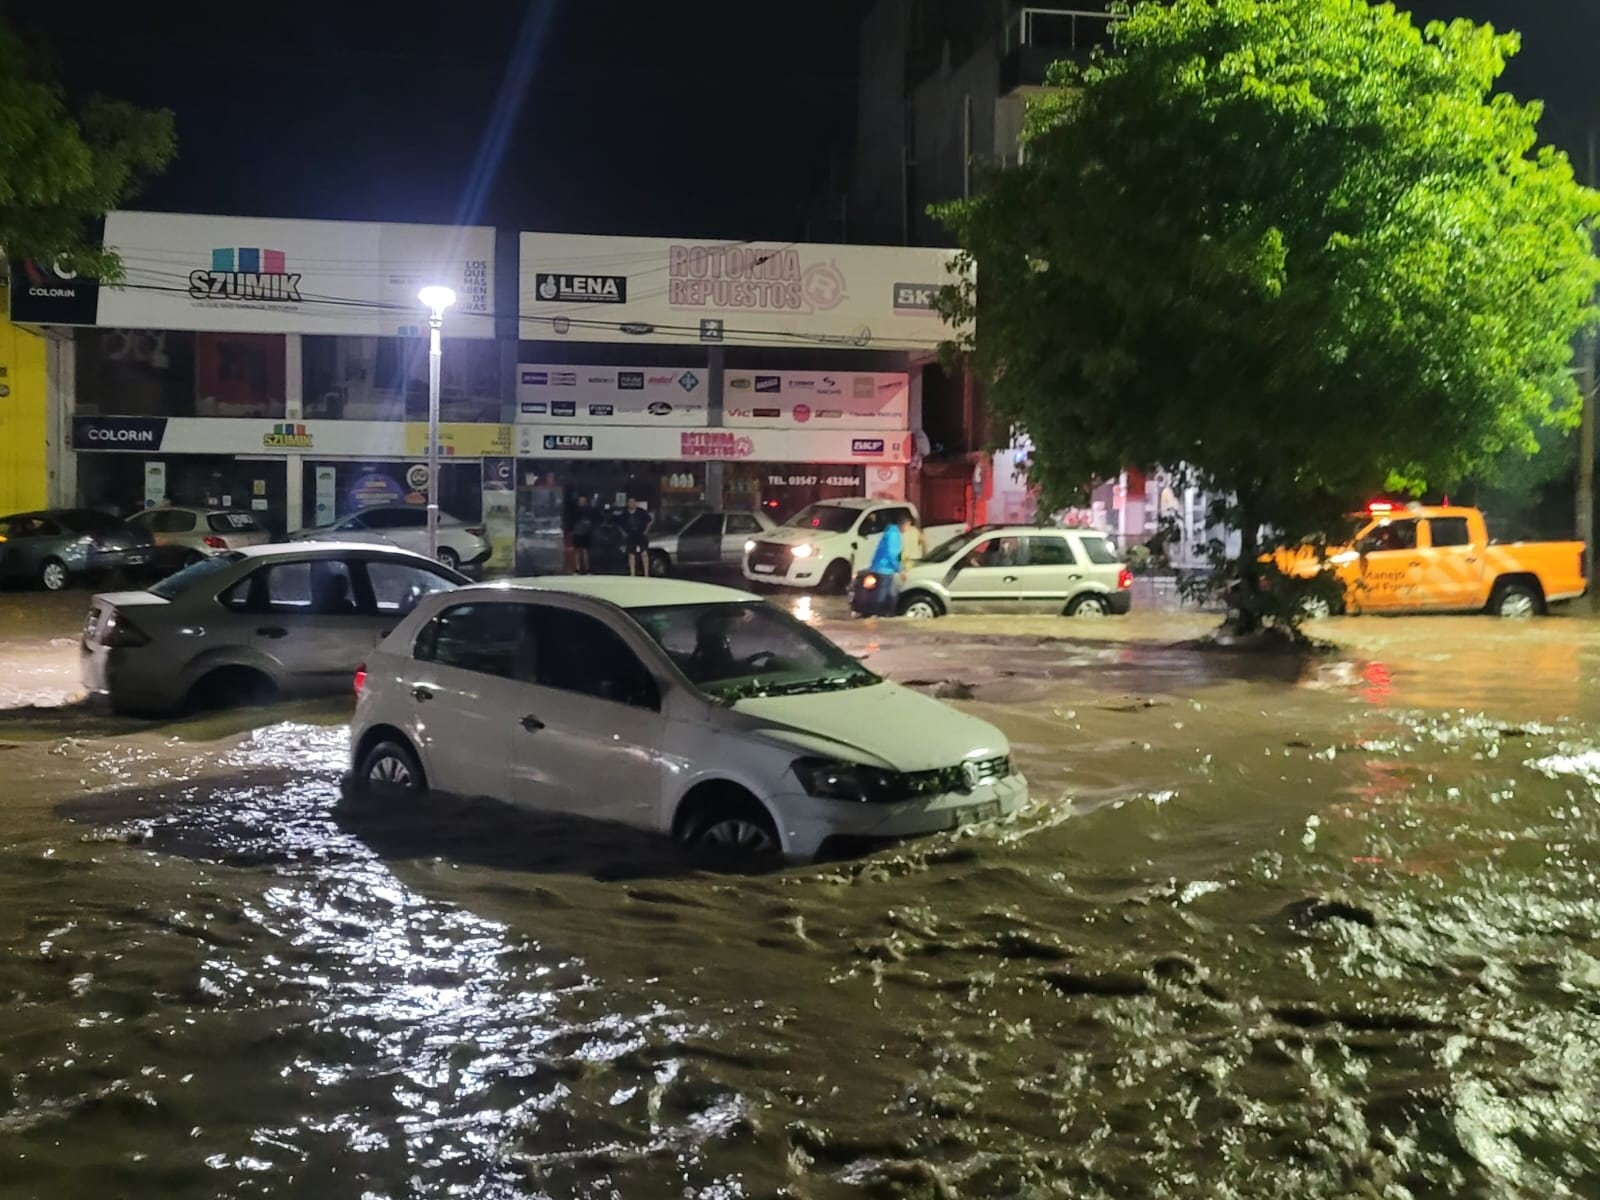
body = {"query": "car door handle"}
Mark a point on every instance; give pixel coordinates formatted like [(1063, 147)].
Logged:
[(421, 693), (1416, 562), (1008, 579), (1074, 578), (531, 723), (272, 631)]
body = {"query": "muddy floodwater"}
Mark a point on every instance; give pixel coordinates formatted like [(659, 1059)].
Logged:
[(1265, 928)]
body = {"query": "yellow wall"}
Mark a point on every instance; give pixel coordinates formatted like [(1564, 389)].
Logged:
[(23, 475)]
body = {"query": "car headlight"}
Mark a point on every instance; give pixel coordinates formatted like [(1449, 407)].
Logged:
[(750, 545), (804, 550), (828, 779)]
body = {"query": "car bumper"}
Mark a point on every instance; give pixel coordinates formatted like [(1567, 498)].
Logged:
[(800, 573), (1121, 602), (134, 559), (113, 678), (805, 822)]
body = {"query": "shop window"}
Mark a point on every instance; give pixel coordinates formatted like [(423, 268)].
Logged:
[(386, 379), (168, 373)]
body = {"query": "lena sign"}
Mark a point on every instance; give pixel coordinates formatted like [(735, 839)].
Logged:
[(736, 293)]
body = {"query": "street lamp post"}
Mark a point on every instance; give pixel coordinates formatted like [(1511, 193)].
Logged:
[(436, 299)]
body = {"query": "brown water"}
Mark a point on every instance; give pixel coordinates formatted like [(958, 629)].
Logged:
[(1319, 932)]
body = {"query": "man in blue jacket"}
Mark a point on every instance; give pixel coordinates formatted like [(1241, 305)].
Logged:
[(888, 566)]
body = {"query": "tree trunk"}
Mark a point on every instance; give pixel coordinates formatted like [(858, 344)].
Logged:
[(1247, 571)]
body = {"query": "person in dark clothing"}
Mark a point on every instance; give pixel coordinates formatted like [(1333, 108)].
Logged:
[(582, 533), (635, 523)]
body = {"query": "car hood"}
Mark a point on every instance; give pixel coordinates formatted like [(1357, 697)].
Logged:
[(884, 725), (789, 535)]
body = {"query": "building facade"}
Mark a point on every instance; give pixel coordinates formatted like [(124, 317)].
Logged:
[(281, 366)]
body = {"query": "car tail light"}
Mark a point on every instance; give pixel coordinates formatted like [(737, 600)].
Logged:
[(1124, 579), (361, 678), (118, 631), (868, 582), (477, 531), (215, 542)]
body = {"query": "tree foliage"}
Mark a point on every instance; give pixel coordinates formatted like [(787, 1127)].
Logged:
[(63, 166), (1299, 245)]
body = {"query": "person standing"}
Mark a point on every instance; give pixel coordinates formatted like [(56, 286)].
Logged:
[(582, 534), (636, 522), (889, 566)]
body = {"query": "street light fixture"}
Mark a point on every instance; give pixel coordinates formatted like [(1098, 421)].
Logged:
[(436, 299)]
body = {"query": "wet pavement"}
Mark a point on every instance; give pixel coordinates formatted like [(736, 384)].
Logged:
[(1326, 928)]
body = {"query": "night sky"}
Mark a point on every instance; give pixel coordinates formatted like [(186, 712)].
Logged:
[(688, 117)]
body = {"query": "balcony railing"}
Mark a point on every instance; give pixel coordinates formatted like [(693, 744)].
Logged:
[(1037, 37)]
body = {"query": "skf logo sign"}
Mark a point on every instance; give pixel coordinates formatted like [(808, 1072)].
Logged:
[(915, 297), (246, 273), (287, 437)]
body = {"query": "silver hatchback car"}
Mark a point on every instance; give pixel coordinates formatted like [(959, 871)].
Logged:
[(245, 626), (1010, 569)]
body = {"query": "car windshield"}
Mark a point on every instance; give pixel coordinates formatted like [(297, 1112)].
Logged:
[(947, 550), (830, 518), (738, 651), (84, 520), (174, 586)]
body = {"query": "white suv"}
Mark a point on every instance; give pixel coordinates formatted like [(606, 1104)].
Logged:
[(406, 526), (824, 544), (697, 711)]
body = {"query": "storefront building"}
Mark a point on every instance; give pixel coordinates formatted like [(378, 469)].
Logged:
[(280, 366)]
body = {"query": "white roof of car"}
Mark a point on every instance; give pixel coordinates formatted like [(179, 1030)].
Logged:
[(856, 502), (326, 549), (627, 591)]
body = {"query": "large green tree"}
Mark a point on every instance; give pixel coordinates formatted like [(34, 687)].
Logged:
[(62, 165), (1299, 245)]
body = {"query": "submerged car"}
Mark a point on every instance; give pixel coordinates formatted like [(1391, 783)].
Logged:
[(696, 711), (53, 547), (1008, 569), (249, 625), (823, 545), (184, 536), (712, 539)]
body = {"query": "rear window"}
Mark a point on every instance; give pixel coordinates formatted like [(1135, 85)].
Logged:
[(174, 586), (233, 522), (1098, 550)]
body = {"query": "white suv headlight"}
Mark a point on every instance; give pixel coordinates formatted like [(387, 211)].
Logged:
[(804, 550)]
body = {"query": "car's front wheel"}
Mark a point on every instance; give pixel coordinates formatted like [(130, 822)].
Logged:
[(392, 764), (53, 575), (731, 829), (919, 606), (836, 579), (660, 564), (449, 558)]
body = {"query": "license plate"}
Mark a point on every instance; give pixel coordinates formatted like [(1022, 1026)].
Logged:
[(764, 568), (974, 813)]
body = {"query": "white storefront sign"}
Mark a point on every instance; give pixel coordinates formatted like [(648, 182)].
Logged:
[(688, 290), (716, 445), (261, 275), (564, 394), (155, 482), (327, 491), (790, 399)]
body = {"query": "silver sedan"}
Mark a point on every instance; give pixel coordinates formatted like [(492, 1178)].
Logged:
[(246, 626)]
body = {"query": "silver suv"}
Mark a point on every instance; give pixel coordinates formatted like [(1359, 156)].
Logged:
[(1012, 569)]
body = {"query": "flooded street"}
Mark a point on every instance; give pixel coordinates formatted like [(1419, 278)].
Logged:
[(1332, 925)]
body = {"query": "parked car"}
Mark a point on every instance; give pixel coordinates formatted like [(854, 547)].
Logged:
[(249, 625), (56, 546), (406, 526), (1010, 569), (1439, 559), (824, 544), (713, 539), (693, 710), (186, 535)]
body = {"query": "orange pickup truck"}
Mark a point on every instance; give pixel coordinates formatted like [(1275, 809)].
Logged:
[(1415, 558)]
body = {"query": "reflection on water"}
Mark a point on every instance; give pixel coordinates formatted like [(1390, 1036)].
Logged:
[(1331, 925)]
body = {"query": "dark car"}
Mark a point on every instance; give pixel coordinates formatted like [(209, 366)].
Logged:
[(52, 547)]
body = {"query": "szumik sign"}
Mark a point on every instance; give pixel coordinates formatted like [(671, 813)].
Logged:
[(118, 433), (246, 273)]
